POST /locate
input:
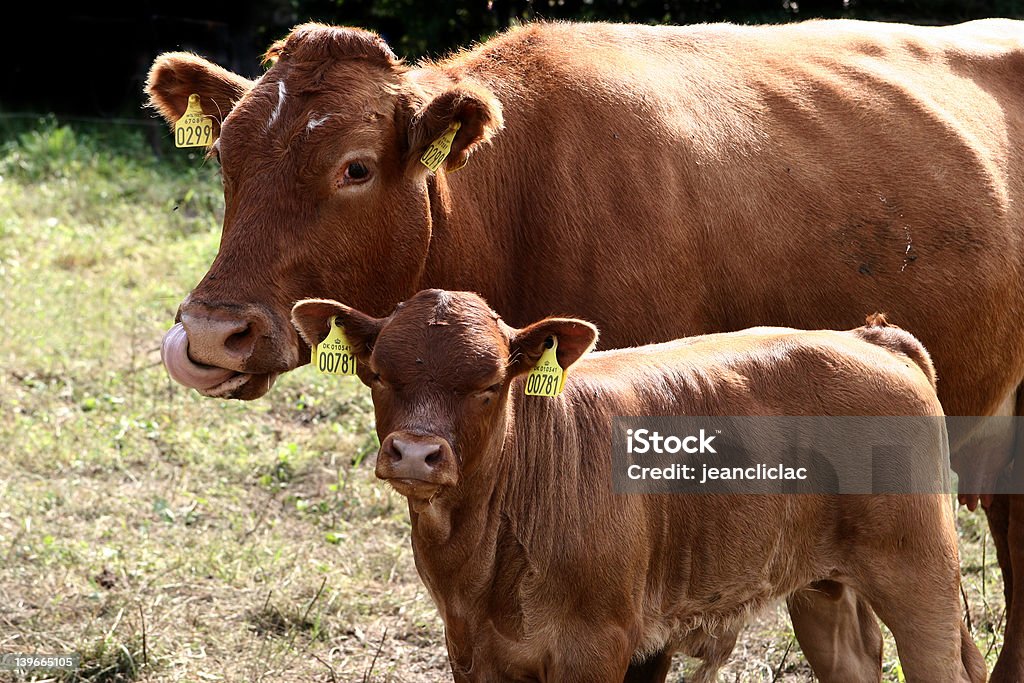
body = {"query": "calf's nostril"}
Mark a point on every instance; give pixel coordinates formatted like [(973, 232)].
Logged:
[(416, 453)]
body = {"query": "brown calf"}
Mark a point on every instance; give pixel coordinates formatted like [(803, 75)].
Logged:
[(541, 573)]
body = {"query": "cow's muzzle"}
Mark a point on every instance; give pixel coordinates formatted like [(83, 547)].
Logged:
[(227, 353)]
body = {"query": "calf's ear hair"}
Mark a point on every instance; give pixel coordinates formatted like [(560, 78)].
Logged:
[(473, 106), (176, 75), (575, 338), (312, 318)]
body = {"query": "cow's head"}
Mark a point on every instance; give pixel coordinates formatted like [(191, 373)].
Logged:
[(323, 189), (440, 369)]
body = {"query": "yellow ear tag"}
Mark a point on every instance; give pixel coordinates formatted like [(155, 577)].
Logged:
[(194, 128), (440, 148), (547, 377), (333, 356)]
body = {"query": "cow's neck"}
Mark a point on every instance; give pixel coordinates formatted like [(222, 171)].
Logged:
[(466, 254)]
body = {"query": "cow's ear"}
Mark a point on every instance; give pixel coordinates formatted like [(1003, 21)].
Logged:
[(176, 75), (575, 338), (472, 106), (312, 318)]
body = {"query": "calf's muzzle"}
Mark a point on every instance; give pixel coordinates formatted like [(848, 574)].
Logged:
[(416, 463)]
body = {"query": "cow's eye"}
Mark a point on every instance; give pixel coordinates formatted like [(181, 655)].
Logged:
[(355, 172)]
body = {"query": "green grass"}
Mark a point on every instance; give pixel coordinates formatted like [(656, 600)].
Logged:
[(135, 511), (168, 537)]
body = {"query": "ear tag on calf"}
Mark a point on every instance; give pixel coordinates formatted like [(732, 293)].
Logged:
[(440, 148), (333, 356), (194, 128), (547, 377)]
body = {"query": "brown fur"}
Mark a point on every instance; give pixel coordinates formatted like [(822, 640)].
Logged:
[(319, 43), (660, 181), (542, 573), (877, 330)]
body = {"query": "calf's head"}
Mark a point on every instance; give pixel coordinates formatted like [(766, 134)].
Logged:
[(440, 369), (323, 191)]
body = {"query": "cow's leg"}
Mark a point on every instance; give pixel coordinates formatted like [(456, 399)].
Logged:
[(837, 632), (998, 514), (1006, 517), (1010, 665), (654, 669)]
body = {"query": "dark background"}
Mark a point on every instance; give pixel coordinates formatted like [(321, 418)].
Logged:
[(90, 59)]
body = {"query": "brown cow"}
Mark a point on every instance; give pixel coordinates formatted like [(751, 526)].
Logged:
[(660, 181), (542, 573)]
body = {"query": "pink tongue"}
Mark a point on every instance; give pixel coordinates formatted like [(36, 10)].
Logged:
[(180, 367)]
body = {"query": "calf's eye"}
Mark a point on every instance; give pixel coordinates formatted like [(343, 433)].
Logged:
[(490, 392)]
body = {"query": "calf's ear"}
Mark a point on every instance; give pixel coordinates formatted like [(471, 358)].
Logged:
[(575, 338), (312, 318), (472, 106), (176, 75)]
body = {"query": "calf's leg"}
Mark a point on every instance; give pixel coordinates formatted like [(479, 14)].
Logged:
[(973, 661), (654, 669), (913, 584), (838, 633), (931, 639), (586, 654), (713, 655)]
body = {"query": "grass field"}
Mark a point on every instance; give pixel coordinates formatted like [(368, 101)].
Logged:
[(168, 537)]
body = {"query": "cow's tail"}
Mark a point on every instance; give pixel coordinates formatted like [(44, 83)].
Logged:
[(880, 333)]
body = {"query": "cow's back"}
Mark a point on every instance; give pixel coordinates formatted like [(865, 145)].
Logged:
[(686, 180)]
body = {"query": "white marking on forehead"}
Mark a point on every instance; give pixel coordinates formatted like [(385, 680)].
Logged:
[(314, 122), (281, 92)]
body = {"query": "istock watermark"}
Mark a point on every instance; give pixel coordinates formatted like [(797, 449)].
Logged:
[(821, 455), (644, 441)]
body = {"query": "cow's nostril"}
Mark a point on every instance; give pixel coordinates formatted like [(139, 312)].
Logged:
[(240, 341), (433, 459), (220, 340)]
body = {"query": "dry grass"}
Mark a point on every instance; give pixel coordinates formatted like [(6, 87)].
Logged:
[(172, 538)]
